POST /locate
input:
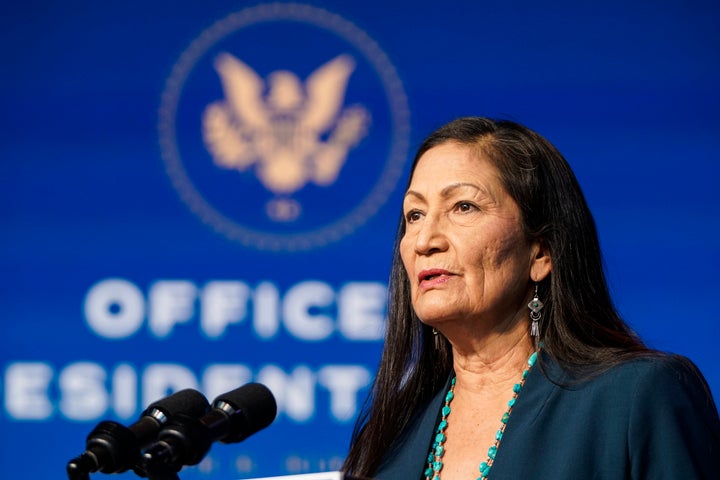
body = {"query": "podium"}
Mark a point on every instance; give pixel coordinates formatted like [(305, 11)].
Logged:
[(312, 476)]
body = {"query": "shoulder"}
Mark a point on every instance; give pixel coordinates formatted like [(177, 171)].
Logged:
[(406, 458), (661, 409), (673, 418), (655, 388), (660, 372), (661, 376), (669, 385)]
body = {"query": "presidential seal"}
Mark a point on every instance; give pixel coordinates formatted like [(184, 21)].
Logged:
[(284, 127)]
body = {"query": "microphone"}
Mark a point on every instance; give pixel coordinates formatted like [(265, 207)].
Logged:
[(114, 448), (234, 416)]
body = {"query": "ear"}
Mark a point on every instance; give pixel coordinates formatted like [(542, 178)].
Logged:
[(540, 263)]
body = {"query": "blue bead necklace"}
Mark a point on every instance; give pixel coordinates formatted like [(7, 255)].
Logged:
[(435, 463)]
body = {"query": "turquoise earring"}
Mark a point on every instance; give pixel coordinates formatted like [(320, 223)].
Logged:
[(535, 307)]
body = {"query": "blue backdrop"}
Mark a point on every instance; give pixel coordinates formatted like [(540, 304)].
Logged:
[(157, 234)]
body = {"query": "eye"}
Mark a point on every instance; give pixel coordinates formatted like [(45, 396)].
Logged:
[(412, 216), (465, 207)]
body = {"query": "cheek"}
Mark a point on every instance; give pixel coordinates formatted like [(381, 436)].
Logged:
[(502, 252), (406, 255), (510, 266)]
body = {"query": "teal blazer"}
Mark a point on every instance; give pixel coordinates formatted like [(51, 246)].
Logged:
[(645, 419)]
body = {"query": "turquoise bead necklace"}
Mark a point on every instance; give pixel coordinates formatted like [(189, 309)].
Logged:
[(437, 451)]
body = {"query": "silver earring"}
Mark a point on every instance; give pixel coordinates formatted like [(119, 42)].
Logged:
[(436, 339), (535, 306)]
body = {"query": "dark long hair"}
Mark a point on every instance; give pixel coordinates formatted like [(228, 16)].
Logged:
[(580, 326)]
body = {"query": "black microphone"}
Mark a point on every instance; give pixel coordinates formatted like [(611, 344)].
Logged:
[(114, 448), (234, 416)]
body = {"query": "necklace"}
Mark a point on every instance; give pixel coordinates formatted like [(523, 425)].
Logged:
[(435, 463)]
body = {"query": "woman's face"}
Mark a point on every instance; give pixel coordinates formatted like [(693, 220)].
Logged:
[(464, 249)]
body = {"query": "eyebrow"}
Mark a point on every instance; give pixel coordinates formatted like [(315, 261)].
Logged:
[(447, 191)]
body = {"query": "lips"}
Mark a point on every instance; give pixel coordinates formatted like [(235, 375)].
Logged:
[(432, 277)]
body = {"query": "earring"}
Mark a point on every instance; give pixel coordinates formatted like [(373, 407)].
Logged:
[(436, 338), (535, 306)]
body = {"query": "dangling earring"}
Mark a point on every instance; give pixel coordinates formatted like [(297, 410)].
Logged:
[(436, 339), (535, 306)]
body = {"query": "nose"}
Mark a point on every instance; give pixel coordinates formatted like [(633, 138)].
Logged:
[(431, 237)]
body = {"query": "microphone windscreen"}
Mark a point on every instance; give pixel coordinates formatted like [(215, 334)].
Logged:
[(184, 402), (255, 404)]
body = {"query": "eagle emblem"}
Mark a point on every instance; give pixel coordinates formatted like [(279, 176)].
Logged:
[(292, 133)]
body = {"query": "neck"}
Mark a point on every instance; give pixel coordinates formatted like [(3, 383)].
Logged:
[(497, 362)]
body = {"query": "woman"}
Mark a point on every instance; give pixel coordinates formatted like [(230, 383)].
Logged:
[(504, 356)]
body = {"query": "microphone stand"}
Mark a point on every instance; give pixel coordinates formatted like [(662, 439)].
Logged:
[(154, 468), (79, 467), (161, 472)]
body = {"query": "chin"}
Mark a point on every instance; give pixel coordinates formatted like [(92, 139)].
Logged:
[(434, 321)]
